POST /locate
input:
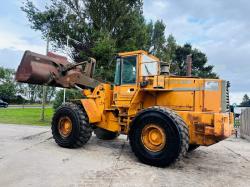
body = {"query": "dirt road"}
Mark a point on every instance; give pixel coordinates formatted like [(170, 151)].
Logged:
[(30, 157)]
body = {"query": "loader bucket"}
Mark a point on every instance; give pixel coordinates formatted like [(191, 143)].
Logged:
[(58, 72), (37, 69)]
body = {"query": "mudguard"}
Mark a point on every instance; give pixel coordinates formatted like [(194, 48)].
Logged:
[(91, 109)]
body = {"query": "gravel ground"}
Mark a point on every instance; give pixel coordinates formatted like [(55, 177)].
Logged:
[(30, 157)]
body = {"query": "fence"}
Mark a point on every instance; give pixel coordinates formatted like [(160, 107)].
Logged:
[(245, 123)]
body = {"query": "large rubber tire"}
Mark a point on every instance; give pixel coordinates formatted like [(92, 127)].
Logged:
[(104, 134), (81, 129), (192, 147), (175, 129)]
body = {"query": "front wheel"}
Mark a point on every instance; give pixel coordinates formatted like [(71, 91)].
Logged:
[(70, 126), (158, 136)]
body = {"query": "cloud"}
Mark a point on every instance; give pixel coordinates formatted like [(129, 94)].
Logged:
[(16, 36), (10, 58), (236, 97), (17, 42), (218, 28)]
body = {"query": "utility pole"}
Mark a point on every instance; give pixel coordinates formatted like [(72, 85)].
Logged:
[(189, 65), (44, 87), (64, 89)]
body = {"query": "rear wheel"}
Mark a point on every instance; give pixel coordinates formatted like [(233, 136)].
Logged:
[(70, 126), (104, 134), (158, 136)]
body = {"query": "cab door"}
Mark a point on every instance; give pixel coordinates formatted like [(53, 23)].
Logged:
[(125, 80)]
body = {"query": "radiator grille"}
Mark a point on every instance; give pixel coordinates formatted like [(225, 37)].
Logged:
[(225, 103)]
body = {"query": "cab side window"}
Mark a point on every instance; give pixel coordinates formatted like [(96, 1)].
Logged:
[(129, 70), (118, 72)]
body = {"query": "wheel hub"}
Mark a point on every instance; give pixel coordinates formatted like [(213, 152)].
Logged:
[(153, 137), (65, 126)]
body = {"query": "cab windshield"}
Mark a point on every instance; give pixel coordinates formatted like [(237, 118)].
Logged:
[(149, 66)]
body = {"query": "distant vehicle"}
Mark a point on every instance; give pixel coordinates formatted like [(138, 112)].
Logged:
[(3, 104)]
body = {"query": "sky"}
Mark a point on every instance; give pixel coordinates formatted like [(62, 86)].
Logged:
[(218, 28)]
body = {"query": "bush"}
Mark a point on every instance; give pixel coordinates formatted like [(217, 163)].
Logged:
[(14, 99), (18, 100), (70, 94)]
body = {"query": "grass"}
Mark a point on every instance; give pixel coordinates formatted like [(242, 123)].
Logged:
[(27, 116)]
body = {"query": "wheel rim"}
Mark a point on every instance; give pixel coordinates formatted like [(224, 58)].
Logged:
[(65, 126), (153, 137)]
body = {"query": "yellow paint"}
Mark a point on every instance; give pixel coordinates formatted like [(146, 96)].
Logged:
[(109, 122), (87, 92), (153, 137), (196, 100), (92, 110), (65, 126), (159, 82)]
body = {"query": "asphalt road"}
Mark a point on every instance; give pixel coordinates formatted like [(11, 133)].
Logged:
[(30, 157)]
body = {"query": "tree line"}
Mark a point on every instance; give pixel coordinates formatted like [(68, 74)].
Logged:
[(19, 93), (105, 27), (245, 101), (101, 29)]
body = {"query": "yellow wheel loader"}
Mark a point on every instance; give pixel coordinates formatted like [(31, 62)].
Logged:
[(163, 115)]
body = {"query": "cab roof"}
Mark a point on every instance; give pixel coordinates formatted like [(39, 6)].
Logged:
[(137, 53)]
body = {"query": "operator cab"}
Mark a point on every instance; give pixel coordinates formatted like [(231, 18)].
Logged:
[(132, 68)]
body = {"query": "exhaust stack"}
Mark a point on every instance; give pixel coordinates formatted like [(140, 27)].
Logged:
[(189, 65)]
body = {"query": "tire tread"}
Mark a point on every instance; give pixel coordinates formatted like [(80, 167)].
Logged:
[(85, 129), (183, 128)]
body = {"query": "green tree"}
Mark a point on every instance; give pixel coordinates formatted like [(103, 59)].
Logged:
[(102, 27), (170, 49), (7, 84), (14, 92), (156, 38), (245, 101), (70, 94), (106, 27), (10, 91), (199, 65), (35, 93), (245, 98)]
